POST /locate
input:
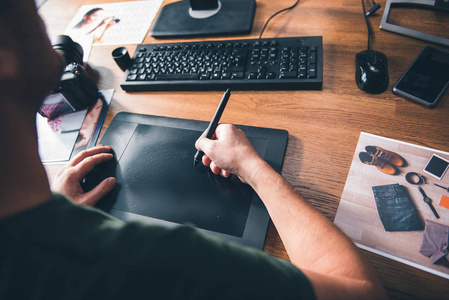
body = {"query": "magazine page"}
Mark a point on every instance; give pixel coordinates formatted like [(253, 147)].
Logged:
[(396, 204), (60, 139), (113, 23)]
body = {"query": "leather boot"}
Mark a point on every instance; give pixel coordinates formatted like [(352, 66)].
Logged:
[(379, 163), (390, 156)]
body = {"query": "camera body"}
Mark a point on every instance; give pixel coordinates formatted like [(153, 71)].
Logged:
[(75, 90), (76, 87)]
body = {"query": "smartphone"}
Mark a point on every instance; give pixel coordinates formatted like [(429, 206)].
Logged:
[(437, 166), (426, 79)]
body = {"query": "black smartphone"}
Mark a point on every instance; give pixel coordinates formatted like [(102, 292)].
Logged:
[(427, 78)]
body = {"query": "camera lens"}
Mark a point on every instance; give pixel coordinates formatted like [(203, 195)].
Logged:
[(72, 52)]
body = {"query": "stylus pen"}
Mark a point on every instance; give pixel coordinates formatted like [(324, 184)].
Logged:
[(213, 124)]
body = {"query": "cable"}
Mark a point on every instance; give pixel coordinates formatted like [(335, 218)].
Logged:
[(367, 25), (373, 9), (282, 10)]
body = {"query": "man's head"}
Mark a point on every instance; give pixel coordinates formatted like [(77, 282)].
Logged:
[(29, 67)]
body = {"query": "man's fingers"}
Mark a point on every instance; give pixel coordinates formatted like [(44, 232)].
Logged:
[(206, 160), (93, 196), (215, 169), (89, 152), (225, 173), (202, 138), (202, 143), (88, 163)]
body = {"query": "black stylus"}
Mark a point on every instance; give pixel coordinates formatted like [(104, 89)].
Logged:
[(213, 124)]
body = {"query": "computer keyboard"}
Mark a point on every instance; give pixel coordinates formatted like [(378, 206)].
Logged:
[(289, 63)]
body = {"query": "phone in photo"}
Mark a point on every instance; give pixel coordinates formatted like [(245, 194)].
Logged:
[(437, 166)]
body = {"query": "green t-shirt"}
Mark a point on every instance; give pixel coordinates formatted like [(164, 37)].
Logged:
[(60, 250)]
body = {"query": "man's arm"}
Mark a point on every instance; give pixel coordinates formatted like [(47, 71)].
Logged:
[(335, 267)]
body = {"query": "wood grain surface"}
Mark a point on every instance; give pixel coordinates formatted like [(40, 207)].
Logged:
[(324, 126)]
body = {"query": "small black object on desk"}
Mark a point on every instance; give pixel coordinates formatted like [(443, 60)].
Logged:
[(372, 71), (213, 124), (122, 58)]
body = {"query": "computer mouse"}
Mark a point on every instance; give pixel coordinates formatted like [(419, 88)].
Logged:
[(98, 174), (371, 74)]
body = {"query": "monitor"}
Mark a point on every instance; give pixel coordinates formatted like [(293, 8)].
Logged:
[(439, 8), (189, 18)]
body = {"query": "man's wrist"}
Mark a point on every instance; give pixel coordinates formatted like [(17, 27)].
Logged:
[(253, 169)]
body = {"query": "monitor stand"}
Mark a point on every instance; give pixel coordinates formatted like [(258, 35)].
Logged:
[(204, 18), (435, 4)]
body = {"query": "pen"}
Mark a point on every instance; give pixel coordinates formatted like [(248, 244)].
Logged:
[(213, 124)]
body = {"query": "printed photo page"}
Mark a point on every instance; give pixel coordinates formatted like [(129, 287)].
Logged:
[(396, 202)]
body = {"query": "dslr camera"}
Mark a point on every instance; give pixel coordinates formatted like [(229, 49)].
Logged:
[(75, 90)]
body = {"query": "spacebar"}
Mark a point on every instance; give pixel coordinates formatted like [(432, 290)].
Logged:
[(189, 76)]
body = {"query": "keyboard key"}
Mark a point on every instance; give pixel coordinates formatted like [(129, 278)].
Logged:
[(312, 71), (288, 75), (131, 77), (312, 58), (235, 69), (205, 76), (193, 76), (237, 75), (226, 75), (262, 72)]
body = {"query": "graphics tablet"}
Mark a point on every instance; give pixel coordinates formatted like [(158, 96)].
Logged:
[(157, 183)]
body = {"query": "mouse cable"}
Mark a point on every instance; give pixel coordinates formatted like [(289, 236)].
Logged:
[(373, 9), (367, 25), (282, 10)]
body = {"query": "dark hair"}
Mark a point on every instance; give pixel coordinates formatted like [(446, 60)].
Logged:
[(88, 14)]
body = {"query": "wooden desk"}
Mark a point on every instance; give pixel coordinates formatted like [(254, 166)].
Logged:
[(324, 125)]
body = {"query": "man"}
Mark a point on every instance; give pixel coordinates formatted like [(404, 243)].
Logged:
[(52, 248)]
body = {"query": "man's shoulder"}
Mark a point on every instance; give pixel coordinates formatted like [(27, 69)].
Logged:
[(60, 223), (136, 258)]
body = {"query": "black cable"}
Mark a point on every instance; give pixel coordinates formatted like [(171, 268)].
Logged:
[(367, 25), (373, 9), (282, 10)]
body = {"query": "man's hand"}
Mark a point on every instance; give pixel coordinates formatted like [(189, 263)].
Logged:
[(68, 179), (228, 152)]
